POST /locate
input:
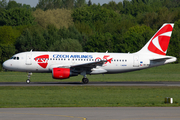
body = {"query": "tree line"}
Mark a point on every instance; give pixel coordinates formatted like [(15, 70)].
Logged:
[(74, 25)]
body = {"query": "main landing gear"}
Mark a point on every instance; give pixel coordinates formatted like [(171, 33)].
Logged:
[(29, 76), (85, 80)]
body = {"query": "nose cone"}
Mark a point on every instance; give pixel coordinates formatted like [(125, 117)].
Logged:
[(13, 65), (5, 65), (8, 65)]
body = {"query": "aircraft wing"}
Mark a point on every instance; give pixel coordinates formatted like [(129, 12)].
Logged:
[(89, 65)]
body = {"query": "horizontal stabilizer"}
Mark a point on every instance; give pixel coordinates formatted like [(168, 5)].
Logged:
[(167, 59)]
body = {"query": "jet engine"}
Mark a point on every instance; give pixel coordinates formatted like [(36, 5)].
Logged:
[(62, 73)]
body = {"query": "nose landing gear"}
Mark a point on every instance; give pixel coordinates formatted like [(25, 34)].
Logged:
[(29, 76)]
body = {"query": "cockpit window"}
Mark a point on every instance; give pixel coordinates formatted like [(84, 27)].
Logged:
[(15, 58)]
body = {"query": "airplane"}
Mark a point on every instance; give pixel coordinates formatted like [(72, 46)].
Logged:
[(63, 65)]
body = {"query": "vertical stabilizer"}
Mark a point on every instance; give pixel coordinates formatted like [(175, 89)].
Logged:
[(158, 44)]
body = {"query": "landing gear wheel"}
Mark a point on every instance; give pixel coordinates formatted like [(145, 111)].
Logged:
[(28, 81), (29, 76), (85, 80)]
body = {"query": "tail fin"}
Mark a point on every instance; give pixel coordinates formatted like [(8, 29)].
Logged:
[(158, 44)]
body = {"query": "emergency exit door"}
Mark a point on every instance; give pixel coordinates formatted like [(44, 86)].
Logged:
[(136, 61)]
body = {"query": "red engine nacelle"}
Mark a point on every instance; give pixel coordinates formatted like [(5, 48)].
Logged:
[(60, 73)]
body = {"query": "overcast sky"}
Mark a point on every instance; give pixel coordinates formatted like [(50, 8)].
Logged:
[(33, 3)]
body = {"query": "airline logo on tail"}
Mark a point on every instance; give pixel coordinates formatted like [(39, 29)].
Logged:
[(42, 60), (159, 43)]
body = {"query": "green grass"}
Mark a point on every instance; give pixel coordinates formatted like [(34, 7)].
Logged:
[(85, 96), (170, 72), (90, 96)]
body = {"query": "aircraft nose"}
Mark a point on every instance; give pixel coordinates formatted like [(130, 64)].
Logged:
[(6, 65)]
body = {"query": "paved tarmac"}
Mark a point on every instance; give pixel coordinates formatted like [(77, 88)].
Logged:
[(91, 113), (91, 84)]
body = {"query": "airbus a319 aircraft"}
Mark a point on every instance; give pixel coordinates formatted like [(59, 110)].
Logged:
[(63, 65)]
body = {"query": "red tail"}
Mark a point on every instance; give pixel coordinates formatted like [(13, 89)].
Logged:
[(158, 44), (160, 41)]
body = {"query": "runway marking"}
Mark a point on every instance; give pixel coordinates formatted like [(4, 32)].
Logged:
[(81, 118)]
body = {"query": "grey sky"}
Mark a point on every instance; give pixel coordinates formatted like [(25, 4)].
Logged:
[(33, 3)]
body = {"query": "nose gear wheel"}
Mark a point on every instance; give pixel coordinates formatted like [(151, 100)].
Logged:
[(29, 76)]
